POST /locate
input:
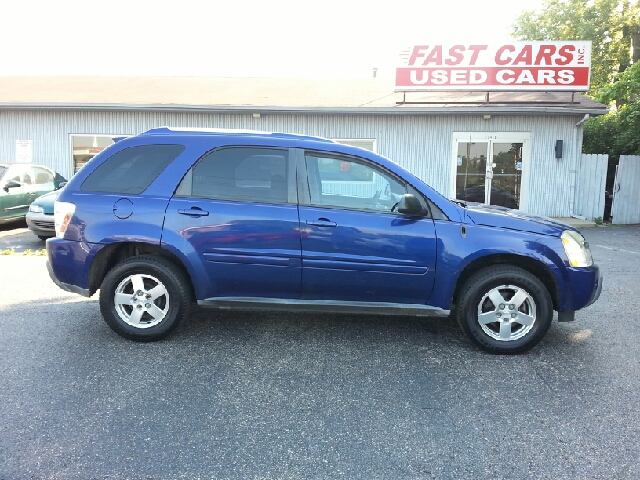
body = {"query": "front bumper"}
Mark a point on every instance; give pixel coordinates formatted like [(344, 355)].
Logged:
[(598, 290), (41, 224), (586, 287)]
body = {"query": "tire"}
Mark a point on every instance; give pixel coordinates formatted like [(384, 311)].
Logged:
[(501, 326), (144, 298), (43, 237)]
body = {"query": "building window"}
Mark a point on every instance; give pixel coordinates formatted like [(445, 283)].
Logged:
[(86, 146), (366, 143)]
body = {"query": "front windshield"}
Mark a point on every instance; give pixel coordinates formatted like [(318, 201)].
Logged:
[(2, 170)]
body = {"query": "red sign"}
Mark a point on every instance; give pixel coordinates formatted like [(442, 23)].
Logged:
[(541, 66)]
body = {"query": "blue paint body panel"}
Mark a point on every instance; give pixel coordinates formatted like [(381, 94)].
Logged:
[(367, 256), (71, 260), (285, 251), (244, 249)]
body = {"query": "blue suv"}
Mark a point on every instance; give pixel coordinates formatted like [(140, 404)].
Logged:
[(255, 220)]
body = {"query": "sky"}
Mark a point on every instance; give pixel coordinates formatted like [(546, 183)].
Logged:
[(271, 38)]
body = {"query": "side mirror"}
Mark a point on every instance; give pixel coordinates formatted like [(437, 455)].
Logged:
[(61, 185), (410, 205), (11, 184)]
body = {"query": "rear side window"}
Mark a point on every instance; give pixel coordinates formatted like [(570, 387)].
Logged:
[(240, 174), (42, 176), (131, 170)]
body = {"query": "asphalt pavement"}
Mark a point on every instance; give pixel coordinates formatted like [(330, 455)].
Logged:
[(286, 396), (17, 237)]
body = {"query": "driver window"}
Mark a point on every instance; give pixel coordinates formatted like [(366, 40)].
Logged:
[(349, 183), (19, 173), (26, 177)]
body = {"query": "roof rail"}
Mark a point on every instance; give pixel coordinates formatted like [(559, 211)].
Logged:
[(229, 131)]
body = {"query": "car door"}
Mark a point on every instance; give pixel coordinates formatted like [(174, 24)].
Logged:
[(235, 214), (16, 200), (355, 247)]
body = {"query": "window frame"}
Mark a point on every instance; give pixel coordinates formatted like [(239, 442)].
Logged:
[(184, 189)]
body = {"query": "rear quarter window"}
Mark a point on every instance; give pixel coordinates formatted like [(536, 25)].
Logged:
[(131, 170), (242, 174)]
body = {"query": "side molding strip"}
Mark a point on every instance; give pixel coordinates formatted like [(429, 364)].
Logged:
[(331, 306)]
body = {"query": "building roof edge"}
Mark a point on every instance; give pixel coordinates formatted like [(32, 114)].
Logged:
[(308, 110)]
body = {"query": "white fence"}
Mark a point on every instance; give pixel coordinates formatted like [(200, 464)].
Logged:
[(625, 209), (592, 177)]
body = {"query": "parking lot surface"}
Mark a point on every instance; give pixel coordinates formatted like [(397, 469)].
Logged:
[(17, 237), (269, 395)]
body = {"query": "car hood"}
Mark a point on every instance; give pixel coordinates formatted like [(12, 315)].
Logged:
[(501, 217), (47, 200)]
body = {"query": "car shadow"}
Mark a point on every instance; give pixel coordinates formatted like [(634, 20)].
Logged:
[(365, 328), (432, 333), (13, 225)]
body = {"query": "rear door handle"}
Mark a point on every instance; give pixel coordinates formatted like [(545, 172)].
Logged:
[(193, 212), (322, 222)]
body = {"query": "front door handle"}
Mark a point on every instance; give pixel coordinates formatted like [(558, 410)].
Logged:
[(322, 222), (193, 212)]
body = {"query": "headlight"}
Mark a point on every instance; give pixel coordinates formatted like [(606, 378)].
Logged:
[(36, 208), (576, 248)]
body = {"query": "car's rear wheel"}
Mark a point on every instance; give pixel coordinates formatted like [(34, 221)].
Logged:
[(504, 309), (144, 298)]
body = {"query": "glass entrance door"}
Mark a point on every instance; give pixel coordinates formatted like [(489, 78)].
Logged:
[(471, 173), (506, 174), (495, 182)]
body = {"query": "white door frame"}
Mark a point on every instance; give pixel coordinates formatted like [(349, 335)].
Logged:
[(491, 138)]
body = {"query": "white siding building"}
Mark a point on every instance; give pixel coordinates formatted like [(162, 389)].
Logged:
[(500, 146)]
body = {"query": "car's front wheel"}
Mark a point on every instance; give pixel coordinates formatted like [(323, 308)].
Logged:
[(144, 298), (504, 309)]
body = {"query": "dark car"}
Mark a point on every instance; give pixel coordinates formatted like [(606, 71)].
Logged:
[(498, 197), (251, 220), (21, 184)]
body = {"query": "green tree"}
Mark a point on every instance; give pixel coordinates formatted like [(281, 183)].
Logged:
[(612, 26), (617, 133), (626, 89)]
